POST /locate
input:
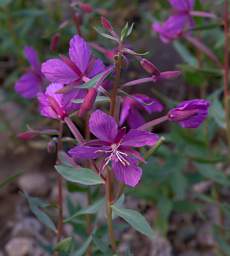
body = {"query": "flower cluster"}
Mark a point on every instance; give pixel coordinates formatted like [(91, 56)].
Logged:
[(66, 92)]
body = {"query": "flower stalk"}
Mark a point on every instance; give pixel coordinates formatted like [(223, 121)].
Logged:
[(60, 186), (226, 69)]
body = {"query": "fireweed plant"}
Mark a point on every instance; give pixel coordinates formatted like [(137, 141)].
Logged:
[(109, 154)]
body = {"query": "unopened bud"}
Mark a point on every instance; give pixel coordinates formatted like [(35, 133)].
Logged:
[(149, 67), (170, 74), (86, 7), (28, 135), (54, 42), (88, 101), (106, 24)]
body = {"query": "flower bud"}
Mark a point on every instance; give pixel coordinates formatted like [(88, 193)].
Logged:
[(54, 42), (189, 113), (106, 24), (28, 135), (88, 101), (149, 67), (86, 7)]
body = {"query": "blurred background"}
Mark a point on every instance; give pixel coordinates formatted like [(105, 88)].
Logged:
[(185, 191)]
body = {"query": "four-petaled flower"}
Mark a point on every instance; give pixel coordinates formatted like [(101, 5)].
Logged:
[(133, 106), (190, 113), (31, 82), (176, 24), (80, 67), (115, 146), (58, 106)]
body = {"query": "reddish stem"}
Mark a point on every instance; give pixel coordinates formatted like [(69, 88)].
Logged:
[(153, 123), (60, 187)]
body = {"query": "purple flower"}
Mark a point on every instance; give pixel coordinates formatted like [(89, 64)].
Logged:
[(80, 66), (115, 146), (31, 82), (58, 106), (132, 109), (190, 113), (175, 25)]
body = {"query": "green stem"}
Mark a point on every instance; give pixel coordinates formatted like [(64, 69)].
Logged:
[(109, 200)]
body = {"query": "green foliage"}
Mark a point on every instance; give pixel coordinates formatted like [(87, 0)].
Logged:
[(79, 175), (135, 219)]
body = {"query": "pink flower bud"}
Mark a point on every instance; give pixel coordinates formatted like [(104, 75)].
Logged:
[(86, 7), (149, 67), (88, 101), (106, 24), (170, 74), (28, 135), (54, 42)]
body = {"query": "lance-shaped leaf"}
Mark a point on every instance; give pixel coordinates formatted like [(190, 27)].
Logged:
[(82, 176), (135, 219), (92, 209), (35, 204), (84, 247), (97, 80), (99, 99)]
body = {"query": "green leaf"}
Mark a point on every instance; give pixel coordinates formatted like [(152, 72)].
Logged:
[(185, 54), (135, 219), (84, 247), (99, 99), (82, 176), (92, 209), (217, 112), (98, 78), (106, 35), (102, 246), (64, 246), (35, 204), (10, 179), (208, 171), (119, 203)]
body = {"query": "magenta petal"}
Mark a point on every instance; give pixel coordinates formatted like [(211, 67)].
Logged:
[(135, 118), (138, 138), (130, 174), (32, 57), (86, 152), (28, 85), (55, 70), (182, 5), (97, 68), (127, 103), (172, 28), (103, 126), (79, 53), (45, 108)]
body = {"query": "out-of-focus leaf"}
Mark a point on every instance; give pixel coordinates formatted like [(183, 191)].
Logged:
[(102, 246), (135, 219), (10, 179), (35, 204), (217, 112), (209, 171), (83, 248), (82, 175), (185, 54), (64, 246)]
